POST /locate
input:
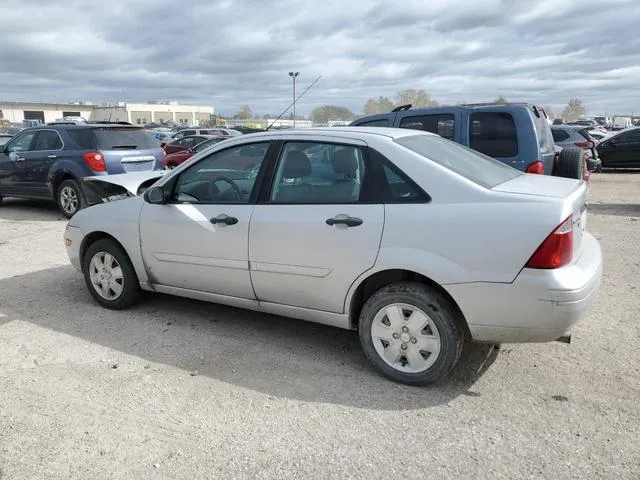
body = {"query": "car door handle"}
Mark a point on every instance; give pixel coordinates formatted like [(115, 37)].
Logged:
[(19, 159), (348, 221), (222, 218), (52, 157)]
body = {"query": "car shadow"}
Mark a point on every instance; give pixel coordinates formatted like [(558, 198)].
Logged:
[(18, 209), (278, 356), (619, 209)]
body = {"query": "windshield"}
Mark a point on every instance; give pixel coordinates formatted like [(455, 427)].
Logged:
[(480, 169), (4, 139), (124, 138)]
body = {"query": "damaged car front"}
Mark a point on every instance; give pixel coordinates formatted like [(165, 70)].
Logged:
[(108, 188)]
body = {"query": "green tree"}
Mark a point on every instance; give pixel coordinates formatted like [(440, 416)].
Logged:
[(500, 99), (245, 113), (381, 105), (324, 113), (573, 111), (417, 98)]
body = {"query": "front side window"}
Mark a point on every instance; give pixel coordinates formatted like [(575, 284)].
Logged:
[(494, 134), (318, 172), (48, 140), (21, 143), (441, 124), (226, 176), (472, 165)]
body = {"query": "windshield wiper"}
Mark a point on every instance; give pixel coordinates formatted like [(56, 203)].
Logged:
[(124, 147)]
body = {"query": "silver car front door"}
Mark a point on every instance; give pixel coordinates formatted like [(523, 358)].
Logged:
[(199, 239), (316, 234)]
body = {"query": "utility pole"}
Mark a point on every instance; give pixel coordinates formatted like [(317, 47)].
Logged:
[(294, 75)]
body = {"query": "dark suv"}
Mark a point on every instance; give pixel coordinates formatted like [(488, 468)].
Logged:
[(517, 134), (50, 161)]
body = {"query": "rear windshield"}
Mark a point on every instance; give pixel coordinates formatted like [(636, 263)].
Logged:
[(123, 138), (481, 169)]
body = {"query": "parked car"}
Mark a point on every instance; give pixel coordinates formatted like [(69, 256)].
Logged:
[(621, 150), (517, 134), (174, 159), (185, 132), (4, 138), (360, 228), (49, 162), (606, 122), (184, 143), (578, 136), (620, 123)]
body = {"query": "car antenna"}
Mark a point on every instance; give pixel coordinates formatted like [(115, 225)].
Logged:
[(291, 104)]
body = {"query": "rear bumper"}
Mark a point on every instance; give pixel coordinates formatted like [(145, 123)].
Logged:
[(539, 306)]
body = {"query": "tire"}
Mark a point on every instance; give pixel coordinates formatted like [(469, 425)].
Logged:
[(571, 163), (70, 198), (436, 326), (111, 297)]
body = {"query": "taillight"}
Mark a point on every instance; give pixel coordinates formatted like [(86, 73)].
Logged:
[(536, 167), (586, 144), (556, 250), (95, 160)]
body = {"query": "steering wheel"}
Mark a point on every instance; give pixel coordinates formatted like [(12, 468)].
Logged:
[(213, 190)]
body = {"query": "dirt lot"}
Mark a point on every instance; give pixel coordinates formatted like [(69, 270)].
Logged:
[(181, 389)]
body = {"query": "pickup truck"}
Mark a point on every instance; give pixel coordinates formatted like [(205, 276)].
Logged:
[(517, 134)]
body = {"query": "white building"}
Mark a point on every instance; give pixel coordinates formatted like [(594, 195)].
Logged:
[(136, 113), (16, 112), (143, 113)]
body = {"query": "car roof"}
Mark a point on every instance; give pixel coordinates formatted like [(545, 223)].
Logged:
[(339, 132)]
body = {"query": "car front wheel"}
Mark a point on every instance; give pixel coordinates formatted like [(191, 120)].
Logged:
[(70, 198), (411, 333), (110, 276)]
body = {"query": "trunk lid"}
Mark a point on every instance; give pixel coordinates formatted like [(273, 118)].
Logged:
[(572, 193), (128, 149)]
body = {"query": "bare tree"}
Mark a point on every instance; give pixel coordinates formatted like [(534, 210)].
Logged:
[(573, 111)]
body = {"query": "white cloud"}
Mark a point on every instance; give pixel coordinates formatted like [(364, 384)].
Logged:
[(236, 52)]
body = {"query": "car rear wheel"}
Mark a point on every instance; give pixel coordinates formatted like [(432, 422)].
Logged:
[(70, 198), (110, 276), (411, 333), (571, 163)]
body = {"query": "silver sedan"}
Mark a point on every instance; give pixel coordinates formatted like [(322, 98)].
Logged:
[(417, 242)]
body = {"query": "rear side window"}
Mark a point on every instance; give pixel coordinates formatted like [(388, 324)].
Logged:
[(559, 135), (47, 140), (441, 124), (123, 138), (494, 134), (383, 122), (83, 137), (480, 169)]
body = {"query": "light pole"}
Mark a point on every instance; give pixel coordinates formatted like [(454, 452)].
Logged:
[(293, 75)]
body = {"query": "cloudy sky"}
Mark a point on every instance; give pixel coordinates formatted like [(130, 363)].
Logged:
[(228, 53)]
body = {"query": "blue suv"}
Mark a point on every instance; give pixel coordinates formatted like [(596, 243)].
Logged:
[(517, 134), (49, 161)]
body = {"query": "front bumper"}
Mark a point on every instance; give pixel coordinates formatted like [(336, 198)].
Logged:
[(539, 306), (72, 241)]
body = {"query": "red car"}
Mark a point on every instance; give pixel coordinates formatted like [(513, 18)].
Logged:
[(184, 143), (174, 159)]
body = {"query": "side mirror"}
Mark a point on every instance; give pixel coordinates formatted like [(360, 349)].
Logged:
[(155, 195)]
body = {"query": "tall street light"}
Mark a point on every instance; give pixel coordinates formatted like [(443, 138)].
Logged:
[(293, 75)]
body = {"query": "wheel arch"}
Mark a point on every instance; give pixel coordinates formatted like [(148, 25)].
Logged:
[(58, 178), (92, 238), (376, 280)]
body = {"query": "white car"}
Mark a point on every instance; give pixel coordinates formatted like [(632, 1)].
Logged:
[(415, 241)]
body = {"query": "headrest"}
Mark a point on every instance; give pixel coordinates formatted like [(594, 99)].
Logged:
[(297, 165), (344, 161)]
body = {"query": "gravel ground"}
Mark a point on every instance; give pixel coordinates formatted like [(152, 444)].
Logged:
[(181, 389)]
